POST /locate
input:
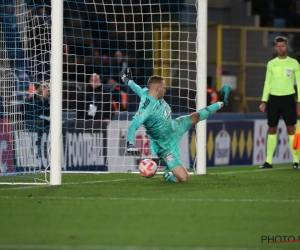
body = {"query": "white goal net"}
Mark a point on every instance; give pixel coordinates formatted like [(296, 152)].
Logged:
[(100, 39)]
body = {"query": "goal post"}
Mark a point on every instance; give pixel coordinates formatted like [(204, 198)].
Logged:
[(56, 92), (67, 111), (201, 82)]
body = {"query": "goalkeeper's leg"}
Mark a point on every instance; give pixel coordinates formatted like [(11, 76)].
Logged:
[(204, 113), (179, 174), (175, 171)]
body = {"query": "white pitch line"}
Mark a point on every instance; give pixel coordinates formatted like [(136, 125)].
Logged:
[(69, 183), (68, 247), (28, 187), (94, 182), (249, 171), (147, 199)]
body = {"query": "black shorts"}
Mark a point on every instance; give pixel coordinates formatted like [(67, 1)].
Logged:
[(284, 106)]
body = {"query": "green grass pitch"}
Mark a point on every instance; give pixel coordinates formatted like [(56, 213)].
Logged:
[(229, 208)]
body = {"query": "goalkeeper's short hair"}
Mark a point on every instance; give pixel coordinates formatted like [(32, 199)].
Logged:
[(154, 80)]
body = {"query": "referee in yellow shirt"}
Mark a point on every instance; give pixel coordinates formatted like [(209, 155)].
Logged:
[(278, 98)]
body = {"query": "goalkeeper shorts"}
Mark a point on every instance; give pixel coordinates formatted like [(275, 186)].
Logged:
[(171, 156), (182, 125)]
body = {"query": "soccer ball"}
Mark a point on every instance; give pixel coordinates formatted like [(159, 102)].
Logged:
[(148, 168)]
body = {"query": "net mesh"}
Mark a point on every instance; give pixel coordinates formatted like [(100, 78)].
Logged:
[(100, 39)]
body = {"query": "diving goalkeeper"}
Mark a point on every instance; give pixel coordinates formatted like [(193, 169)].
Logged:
[(164, 132)]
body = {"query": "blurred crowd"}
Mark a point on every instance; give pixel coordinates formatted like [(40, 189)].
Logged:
[(91, 45), (99, 42), (94, 54), (278, 13)]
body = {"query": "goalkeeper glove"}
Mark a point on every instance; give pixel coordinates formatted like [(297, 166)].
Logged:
[(126, 76), (132, 150)]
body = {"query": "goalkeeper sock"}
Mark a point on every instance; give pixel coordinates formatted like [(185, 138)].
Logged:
[(170, 177), (291, 142), (271, 145), (206, 112)]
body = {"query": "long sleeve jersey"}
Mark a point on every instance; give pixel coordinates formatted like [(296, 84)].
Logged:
[(156, 116)]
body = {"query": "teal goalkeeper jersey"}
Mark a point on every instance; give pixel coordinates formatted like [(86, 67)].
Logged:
[(156, 116)]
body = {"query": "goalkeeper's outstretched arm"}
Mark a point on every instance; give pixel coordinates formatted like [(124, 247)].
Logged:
[(127, 79), (133, 127), (139, 118), (136, 88)]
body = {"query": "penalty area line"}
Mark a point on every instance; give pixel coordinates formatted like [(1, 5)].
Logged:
[(150, 199), (118, 180), (68, 183), (247, 171), (231, 172), (86, 247)]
